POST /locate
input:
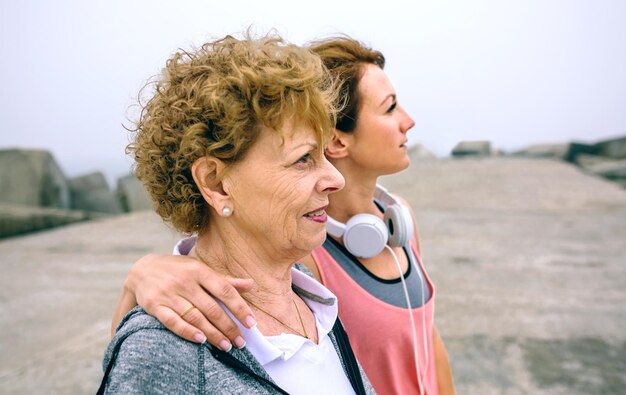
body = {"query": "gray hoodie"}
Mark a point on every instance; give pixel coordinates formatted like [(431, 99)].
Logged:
[(152, 360)]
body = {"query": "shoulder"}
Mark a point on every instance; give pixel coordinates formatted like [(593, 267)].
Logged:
[(308, 266), (147, 358), (143, 351), (140, 328)]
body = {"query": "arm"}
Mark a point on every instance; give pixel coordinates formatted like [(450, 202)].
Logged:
[(152, 361), (442, 365), (126, 302), (165, 286)]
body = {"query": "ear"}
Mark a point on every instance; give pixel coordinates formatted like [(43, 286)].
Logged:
[(207, 173), (338, 145)]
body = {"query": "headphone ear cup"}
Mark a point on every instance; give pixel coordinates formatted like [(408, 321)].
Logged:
[(400, 225), (365, 235)]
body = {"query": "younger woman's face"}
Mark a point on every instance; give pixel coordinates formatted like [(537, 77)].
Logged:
[(379, 142)]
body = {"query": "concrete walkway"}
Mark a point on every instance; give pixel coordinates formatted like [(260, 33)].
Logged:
[(529, 257)]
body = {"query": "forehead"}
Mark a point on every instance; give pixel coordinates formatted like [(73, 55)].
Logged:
[(374, 85), (291, 135)]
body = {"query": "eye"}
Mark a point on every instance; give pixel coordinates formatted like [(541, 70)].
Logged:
[(392, 107), (306, 158)]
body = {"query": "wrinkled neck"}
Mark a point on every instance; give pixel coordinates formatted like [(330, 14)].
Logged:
[(230, 253)]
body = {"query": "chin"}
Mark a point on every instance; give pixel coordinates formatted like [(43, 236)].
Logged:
[(309, 241), (318, 239), (406, 162), (398, 167)]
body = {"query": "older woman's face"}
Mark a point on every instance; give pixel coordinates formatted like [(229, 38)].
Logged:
[(280, 191)]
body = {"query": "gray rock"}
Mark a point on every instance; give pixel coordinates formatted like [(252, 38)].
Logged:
[(586, 160), (613, 170), (91, 181), (420, 152), (556, 151), (472, 148), (613, 148), (32, 178), (18, 219), (575, 148), (132, 194), (90, 192)]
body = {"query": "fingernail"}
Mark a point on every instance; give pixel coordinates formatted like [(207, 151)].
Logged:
[(250, 321), (199, 337), (225, 345), (239, 342)]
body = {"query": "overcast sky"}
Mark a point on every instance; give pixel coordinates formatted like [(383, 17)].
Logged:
[(515, 72)]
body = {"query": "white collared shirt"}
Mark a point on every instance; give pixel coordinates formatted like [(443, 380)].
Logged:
[(295, 363)]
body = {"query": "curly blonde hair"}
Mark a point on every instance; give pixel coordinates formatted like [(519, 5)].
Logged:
[(214, 101)]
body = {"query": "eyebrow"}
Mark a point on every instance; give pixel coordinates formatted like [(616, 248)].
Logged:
[(308, 143), (392, 95)]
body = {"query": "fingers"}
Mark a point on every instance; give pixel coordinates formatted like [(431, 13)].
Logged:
[(207, 317), (210, 317), (242, 285), (215, 323), (179, 326), (226, 290), (219, 330), (188, 330)]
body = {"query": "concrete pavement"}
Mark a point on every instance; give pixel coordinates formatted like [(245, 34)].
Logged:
[(529, 257)]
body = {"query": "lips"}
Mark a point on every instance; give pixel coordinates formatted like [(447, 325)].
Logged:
[(317, 215)]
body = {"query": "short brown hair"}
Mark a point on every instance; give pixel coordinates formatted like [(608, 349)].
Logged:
[(214, 101), (344, 58)]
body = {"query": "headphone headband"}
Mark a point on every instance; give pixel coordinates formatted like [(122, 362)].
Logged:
[(383, 197), (365, 235)]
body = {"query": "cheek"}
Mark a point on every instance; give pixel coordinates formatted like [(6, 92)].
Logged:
[(377, 135), (287, 199)]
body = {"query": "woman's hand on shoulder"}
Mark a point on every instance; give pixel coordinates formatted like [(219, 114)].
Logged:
[(168, 286)]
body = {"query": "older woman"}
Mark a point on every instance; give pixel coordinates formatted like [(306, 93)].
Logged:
[(230, 147)]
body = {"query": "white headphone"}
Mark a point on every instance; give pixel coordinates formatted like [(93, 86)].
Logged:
[(366, 235)]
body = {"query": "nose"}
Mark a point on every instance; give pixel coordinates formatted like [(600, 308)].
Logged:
[(331, 179), (407, 122)]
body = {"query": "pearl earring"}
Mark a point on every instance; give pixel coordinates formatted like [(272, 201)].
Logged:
[(226, 212)]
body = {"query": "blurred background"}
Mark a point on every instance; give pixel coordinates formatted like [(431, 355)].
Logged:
[(517, 176), (514, 72)]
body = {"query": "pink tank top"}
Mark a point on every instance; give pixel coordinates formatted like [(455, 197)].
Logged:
[(380, 333)]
